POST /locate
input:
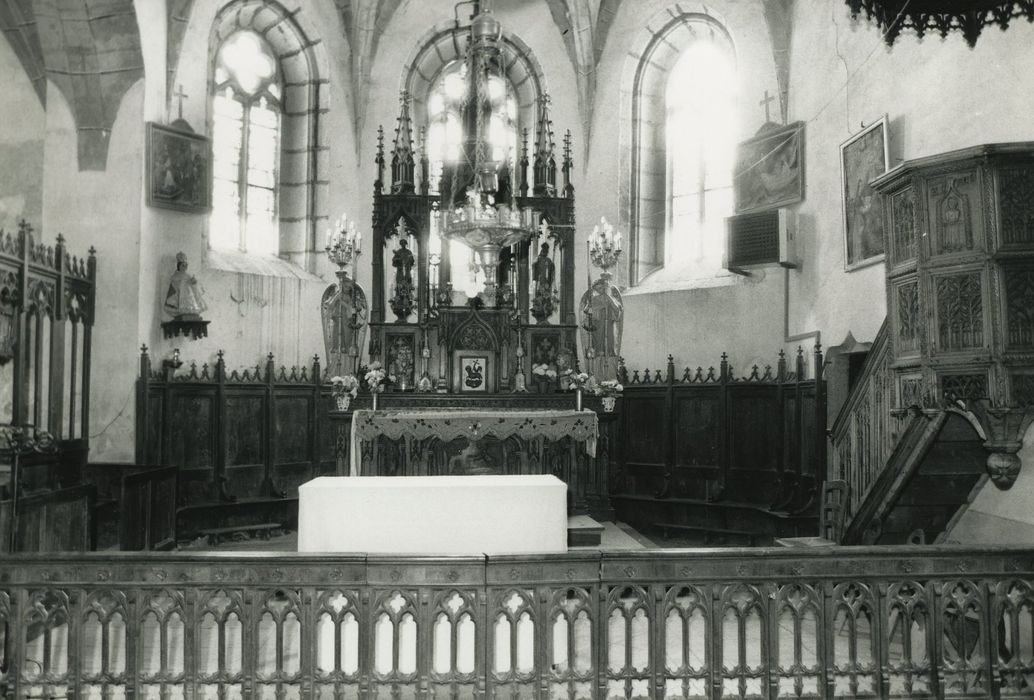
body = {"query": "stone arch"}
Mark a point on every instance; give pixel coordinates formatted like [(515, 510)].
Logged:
[(445, 43), (304, 164), (642, 150)]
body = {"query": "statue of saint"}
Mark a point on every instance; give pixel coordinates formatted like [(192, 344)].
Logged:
[(402, 261), (602, 312), (184, 300), (543, 273)]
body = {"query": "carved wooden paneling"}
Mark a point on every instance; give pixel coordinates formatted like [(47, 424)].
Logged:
[(969, 386), (905, 305), (191, 445), (954, 214), (245, 432), (903, 226), (192, 431), (960, 311), (697, 427), (1022, 385), (1015, 184), (901, 622), (1019, 307), (152, 454), (292, 432), (754, 422), (645, 427)]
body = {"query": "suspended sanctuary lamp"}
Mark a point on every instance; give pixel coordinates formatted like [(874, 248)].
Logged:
[(943, 16), (484, 213)]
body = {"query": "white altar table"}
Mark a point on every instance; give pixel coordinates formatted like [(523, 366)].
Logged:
[(469, 515)]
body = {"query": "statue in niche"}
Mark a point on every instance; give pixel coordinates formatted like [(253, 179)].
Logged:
[(955, 232), (602, 313), (402, 260), (543, 273), (184, 299)]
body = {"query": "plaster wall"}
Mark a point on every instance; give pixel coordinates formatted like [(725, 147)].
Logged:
[(1001, 517), (21, 145), (102, 209)]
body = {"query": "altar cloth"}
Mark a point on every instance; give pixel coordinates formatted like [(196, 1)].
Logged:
[(447, 425), (469, 515)]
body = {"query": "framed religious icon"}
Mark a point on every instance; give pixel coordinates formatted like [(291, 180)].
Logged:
[(473, 371), (863, 158), (178, 169), (769, 169)]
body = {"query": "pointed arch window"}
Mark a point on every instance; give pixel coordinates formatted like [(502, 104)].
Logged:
[(246, 108), (681, 149), (700, 138)]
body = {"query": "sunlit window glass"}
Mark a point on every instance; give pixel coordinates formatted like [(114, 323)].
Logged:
[(246, 146), (700, 133)]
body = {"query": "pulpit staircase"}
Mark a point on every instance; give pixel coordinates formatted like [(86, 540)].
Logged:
[(910, 472)]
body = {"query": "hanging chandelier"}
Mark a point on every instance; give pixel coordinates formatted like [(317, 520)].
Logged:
[(480, 210), (943, 16)]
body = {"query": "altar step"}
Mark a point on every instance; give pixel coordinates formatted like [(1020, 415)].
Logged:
[(696, 522), (245, 518), (583, 531)]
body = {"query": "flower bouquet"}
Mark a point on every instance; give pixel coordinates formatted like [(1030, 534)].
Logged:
[(577, 381), (375, 377), (543, 377), (344, 389), (608, 390)]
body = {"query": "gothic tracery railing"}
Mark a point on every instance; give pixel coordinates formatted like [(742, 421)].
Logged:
[(846, 622)]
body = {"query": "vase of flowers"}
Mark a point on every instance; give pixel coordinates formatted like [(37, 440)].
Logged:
[(543, 375), (577, 381), (375, 377), (344, 389), (608, 390)]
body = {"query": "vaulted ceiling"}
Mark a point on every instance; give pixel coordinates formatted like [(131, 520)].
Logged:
[(90, 49)]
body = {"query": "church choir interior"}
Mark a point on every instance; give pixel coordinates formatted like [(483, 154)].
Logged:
[(683, 350)]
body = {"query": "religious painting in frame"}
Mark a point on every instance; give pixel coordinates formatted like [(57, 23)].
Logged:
[(863, 157), (178, 169), (473, 371), (769, 169)]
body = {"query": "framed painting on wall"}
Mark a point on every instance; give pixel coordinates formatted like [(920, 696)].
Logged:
[(863, 157), (178, 169), (770, 169)]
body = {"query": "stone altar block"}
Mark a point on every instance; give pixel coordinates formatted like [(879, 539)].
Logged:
[(470, 515)]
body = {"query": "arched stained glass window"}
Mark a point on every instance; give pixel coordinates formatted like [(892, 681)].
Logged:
[(246, 145)]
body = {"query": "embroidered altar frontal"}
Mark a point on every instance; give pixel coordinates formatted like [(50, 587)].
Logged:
[(426, 443)]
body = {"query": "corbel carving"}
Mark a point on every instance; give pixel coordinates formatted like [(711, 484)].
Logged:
[(1003, 433)]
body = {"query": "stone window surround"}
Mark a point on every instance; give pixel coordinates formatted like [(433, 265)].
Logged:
[(650, 57)]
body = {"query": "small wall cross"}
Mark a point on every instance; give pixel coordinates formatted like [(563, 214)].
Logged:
[(765, 103), (180, 95)]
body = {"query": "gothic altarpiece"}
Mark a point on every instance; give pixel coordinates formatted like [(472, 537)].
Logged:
[(472, 302)]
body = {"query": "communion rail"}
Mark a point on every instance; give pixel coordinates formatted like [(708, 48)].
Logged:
[(761, 623)]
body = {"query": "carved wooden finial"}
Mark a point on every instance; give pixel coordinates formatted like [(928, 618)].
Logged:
[(143, 349)]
